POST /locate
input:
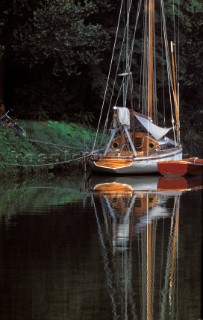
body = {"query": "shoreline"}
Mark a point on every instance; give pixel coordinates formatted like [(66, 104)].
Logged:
[(56, 147), (49, 146)]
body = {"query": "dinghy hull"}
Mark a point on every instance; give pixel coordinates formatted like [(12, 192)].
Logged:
[(191, 166)]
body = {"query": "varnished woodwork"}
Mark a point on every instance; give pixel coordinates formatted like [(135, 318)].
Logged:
[(113, 163), (144, 144)]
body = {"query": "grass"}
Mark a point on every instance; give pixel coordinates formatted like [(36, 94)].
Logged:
[(20, 155)]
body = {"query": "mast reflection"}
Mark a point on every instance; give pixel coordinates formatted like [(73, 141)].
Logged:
[(138, 228)]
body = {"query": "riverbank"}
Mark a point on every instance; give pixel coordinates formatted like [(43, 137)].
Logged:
[(52, 146), (48, 146)]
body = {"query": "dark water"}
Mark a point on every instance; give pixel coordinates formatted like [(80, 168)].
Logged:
[(67, 252)]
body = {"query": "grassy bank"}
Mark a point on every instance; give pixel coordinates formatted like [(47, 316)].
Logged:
[(64, 143), (24, 155)]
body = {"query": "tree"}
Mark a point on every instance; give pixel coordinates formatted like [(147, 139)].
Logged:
[(60, 34), (52, 43), (56, 53)]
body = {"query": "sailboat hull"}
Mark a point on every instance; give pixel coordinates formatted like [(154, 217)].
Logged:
[(136, 165)]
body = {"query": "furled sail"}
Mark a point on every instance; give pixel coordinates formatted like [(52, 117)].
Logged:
[(123, 116), (155, 131)]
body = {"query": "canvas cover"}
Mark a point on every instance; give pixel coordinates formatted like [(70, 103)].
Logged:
[(156, 132)]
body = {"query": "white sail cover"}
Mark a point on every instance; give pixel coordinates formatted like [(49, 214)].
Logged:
[(124, 116), (155, 131)]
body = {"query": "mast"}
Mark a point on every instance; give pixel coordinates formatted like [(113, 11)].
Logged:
[(150, 56), (175, 92), (126, 72)]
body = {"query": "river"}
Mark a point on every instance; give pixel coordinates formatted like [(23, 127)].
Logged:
[(75, 248)]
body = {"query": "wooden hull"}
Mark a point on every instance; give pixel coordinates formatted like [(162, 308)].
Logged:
[(139, 165), (191, 166)]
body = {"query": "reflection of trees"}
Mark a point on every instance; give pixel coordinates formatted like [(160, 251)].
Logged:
[(37, 193)]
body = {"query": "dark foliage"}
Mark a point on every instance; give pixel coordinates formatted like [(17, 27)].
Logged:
[(55, 57)]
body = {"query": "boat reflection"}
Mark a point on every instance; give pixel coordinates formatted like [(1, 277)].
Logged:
[(138, 226)]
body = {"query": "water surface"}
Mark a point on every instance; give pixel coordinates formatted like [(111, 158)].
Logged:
[(106, 248)]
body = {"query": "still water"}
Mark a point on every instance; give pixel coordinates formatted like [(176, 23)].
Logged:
[(101, 248)]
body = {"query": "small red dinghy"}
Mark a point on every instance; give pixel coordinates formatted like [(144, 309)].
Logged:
[(190, 166)]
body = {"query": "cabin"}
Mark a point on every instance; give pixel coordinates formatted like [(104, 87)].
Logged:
[(144, 143)]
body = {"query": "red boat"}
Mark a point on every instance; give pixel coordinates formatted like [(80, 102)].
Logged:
[(190, 166)]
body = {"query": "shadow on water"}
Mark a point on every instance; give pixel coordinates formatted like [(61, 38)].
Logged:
[(105, 248)]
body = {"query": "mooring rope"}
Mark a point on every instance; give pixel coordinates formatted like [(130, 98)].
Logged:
[(47, 164), (50, 163), (53, 144)]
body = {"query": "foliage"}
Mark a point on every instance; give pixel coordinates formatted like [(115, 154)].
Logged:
[(49, 51), (191, 130), (60, 34), (193, 143), (56, 54), (58, 138), (52, 99)]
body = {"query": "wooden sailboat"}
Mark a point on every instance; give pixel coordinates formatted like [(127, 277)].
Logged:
[(137, 142)]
